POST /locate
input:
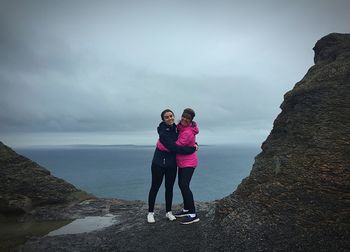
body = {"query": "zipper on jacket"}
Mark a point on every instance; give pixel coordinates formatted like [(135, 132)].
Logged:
[(163, 161)]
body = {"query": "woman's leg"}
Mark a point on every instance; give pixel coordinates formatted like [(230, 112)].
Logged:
[(180, 182), (157, 179), (185, 175), (170, 176)]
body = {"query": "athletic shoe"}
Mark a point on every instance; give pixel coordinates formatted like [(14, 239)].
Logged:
[(182, 213), (190, 220), (150, 218), (170, 216)]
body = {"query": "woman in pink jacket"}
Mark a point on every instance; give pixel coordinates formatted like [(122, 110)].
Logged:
[(187, 163)]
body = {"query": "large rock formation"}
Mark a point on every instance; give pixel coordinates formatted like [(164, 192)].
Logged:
[(298, 193), (24, 185)]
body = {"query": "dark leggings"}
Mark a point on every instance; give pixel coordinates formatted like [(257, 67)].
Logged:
[(185, 175), (158, 172)]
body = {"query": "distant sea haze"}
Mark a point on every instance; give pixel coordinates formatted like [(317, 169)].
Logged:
[(124, 171)]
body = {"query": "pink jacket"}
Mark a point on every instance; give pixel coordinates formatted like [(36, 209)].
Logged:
[(187, 137)]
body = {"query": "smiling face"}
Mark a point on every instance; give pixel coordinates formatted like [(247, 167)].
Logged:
[(185, 120), (169, 118)]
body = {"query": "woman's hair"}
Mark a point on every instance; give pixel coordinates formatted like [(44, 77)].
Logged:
[(165, 111), (189, 113)]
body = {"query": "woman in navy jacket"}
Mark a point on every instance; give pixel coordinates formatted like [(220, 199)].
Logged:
[(164, 163)]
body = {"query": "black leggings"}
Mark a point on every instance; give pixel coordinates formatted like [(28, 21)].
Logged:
[(158, 173), (185, 175)]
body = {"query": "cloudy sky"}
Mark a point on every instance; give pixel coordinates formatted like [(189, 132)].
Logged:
[(100, 72)]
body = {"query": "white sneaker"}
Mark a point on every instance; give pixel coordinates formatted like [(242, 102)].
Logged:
[(170, 216), (150, 218)]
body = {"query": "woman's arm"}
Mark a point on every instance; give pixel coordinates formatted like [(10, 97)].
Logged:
[(173, 147)]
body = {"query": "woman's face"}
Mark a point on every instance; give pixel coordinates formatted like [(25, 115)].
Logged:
[(185, 120), (169, 118)]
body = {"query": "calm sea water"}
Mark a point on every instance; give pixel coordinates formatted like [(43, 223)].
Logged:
[(124, 171)]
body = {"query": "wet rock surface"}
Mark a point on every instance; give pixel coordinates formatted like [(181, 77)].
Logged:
[(131, 231)]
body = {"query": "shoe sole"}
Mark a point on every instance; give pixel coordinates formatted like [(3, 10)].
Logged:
[(181, 215), (190, 222)]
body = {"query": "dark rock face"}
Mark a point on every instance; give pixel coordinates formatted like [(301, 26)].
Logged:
[(298, 193), (332, 47), (24, 184)]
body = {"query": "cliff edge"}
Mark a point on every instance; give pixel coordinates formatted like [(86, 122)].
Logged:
[(298, 193)]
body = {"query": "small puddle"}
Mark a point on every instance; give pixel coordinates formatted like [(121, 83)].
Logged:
[(13, 234), (87, 224)]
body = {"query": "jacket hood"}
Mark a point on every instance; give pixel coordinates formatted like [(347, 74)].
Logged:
[(193, 127)]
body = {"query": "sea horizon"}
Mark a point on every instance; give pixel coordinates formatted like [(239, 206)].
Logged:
[(123, 171), (22, 146)]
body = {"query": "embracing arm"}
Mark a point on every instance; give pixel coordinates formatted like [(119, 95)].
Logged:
[(171, 145)]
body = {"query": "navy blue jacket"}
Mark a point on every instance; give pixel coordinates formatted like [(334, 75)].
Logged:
[(168, 135)]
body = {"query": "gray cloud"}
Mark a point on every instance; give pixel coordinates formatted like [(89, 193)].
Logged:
[(91, 68)]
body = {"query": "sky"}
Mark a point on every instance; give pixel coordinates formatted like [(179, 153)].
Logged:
[(101, 72)]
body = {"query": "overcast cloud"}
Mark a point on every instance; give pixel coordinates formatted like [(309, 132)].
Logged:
[(100, 72)]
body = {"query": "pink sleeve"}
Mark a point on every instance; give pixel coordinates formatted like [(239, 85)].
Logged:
[(184, 139), (161, 147)]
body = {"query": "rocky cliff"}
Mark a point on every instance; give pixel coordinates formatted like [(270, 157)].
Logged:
[(25, 185), (298, 193)]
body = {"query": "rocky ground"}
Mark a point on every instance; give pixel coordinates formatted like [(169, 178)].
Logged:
[(131, 231)]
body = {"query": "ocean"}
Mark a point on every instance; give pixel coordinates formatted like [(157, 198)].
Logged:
[(124, 171)]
